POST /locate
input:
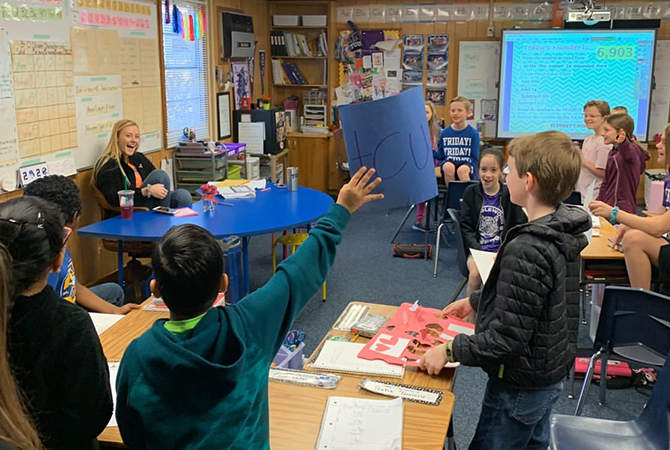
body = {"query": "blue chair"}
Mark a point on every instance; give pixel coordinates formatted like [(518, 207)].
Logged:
[(649, 431), (455, 192), (634, 325)]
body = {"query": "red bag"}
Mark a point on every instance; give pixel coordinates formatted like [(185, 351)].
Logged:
[(614, 368)]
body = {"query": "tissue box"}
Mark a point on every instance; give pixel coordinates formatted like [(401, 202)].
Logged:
[(288, 359)]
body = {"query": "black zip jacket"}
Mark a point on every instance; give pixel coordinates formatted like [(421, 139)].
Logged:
[(528, 310), (110, 180)]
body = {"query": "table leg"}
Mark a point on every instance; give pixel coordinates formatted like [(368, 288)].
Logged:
[(120, 263), (245, 263)]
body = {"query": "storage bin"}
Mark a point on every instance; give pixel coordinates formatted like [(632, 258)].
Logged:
[(288, 359), (234, 172), (253, 168), (314, 21), (285, 21)]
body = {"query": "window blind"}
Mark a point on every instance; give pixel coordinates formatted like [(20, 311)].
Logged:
[(186, 79)]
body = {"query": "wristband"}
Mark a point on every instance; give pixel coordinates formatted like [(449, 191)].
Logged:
[(613, 215), (148, 188), (450, 351)]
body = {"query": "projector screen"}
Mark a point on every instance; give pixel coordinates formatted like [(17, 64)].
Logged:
[(546, 77)]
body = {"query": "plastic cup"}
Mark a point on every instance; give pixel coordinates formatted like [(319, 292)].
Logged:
[(126, 202)]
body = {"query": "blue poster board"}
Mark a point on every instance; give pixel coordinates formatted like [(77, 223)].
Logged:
[(392, 136)]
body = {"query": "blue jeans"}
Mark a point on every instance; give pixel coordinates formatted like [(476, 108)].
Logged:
[(110, 292), (178, 198), (515, 418)]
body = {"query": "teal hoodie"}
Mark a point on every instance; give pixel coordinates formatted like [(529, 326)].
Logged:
[(208, 388)]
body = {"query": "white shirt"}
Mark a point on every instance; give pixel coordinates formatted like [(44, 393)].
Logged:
[(595, 151)]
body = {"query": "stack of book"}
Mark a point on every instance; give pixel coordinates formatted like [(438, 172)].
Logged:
[(286, 73)]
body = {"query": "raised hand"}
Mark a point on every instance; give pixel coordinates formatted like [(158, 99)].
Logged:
[(356, 192)]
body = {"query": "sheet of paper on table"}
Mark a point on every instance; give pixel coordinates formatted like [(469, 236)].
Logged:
[(361, 424)]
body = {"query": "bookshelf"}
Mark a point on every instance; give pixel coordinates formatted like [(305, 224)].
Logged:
[(300, 55)]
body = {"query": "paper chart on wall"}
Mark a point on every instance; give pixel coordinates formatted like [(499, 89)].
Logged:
[(478, 66), (99, 104), (44, 97), (97, 52), (9, 143), (43, 20)]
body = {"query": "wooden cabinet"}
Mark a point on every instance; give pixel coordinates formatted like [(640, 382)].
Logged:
[(315, 157)]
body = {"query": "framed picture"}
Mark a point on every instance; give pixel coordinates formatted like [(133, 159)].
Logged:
[(223, 106)]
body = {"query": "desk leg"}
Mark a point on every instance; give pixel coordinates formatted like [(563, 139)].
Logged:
[(120, 263), (245, 263)]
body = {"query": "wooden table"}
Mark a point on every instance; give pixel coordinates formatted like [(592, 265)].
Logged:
[(296, 411), (599, 248)]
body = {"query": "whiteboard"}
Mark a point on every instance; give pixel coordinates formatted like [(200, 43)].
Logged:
[(51, 43), (478, 67), (660, 95)]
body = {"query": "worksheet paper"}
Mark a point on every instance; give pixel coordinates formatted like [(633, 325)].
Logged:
[(484, 261), (113, 371), (103, 321), (360, 424)]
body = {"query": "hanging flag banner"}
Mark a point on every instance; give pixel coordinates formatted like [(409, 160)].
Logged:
[(261, 65)]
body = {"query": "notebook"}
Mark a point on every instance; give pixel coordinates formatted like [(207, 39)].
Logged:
[(341, 356), (361, 424)]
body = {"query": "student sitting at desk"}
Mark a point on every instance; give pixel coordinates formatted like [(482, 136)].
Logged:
[(104, 298), (17, 430), (646, 242), (121, 167), (200, 379), (528, 311), (54, 350)]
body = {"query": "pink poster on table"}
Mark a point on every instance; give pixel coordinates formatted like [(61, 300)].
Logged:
[(414, 330)]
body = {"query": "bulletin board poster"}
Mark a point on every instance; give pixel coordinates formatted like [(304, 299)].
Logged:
[(70, 59), (478, 67)]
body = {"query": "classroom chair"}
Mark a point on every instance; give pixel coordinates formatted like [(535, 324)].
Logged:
[(461, 253), (634, 326), (575, 198), (455, 192), (649, 431), (293, 241), (134, 272)]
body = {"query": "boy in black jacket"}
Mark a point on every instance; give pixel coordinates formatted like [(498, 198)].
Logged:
[(528, 310)]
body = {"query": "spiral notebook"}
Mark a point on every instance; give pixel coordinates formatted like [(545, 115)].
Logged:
[(341, 356)]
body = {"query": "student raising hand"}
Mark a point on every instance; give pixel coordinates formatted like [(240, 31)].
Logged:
[(356, 192)]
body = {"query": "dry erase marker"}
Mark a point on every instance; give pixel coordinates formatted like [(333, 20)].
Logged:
[(265, 190)]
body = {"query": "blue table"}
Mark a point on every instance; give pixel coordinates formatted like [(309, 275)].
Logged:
[(275, 210)]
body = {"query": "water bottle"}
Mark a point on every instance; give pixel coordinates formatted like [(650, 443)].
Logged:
[(233, 267)]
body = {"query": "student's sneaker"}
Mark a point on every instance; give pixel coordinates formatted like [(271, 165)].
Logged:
[(418, 226)]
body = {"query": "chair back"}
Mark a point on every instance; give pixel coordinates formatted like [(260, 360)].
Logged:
[(655, 417), (461, 252), (575, 198), (103, 204), (635, 323), (455, 191)]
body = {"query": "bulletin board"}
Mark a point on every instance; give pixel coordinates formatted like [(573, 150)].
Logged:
[(478, 67), (70, 69)]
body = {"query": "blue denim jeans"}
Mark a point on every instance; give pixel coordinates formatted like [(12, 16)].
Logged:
[(110, 292), (178, 198), (515, 418)]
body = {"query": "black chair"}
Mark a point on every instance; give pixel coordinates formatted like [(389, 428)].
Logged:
[(634, 325), (455, 192), (461, 252), (649, 431), (574, 199)]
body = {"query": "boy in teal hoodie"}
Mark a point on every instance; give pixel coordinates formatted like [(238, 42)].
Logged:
[(200, 379)]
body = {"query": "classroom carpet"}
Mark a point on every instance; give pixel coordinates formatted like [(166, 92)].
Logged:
[(364, 270)]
